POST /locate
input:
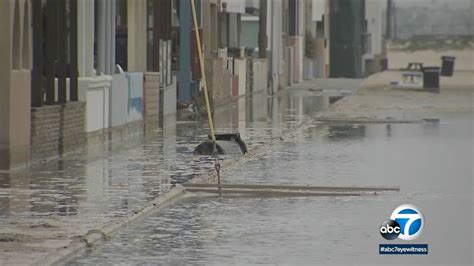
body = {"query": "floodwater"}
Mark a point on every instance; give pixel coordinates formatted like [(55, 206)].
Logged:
[(48, 205), (431, 163)]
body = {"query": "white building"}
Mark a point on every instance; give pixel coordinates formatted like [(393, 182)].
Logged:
[(374, 38)]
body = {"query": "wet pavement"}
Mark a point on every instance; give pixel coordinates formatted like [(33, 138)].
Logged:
[(52, 203), (431, 162)]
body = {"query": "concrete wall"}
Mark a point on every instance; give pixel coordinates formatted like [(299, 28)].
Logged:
[(167, 104), (260, 75), (95, 92), (240, 69), (135, 96), (297, 43), (119, 100), (218, 79), (57, 129)]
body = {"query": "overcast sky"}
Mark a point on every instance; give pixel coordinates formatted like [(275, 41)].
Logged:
[(453, 3)]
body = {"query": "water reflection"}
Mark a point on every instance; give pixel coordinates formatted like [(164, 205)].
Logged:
[(120, 174), (98, 183), (342, 132), (431, 128), (389, 130), (319, 230)]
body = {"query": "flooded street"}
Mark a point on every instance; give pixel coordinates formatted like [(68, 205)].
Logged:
[(236, 132), (430, 162), (50, 205)]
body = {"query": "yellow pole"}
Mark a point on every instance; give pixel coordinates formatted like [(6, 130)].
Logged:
[(203, 73)]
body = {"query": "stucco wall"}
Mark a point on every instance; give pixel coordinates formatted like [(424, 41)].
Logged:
[(119, 100), (260, 75), (20, 99), (240, 69), (15, 81), (95, 92)]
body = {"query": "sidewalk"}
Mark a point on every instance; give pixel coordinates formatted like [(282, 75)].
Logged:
[(378, 100), (56, 204)]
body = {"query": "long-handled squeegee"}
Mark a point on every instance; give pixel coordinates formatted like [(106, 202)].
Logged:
[(210, 147)]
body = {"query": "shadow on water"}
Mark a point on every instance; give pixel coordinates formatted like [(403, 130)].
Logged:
[(343, 132)]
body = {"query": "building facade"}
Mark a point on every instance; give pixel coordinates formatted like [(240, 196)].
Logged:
[(80, 72)]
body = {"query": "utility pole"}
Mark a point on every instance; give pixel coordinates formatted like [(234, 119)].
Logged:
[(262, 29)]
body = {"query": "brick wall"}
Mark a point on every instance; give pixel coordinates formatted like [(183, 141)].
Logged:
[(249, 76), (57, 129), (152, 99)]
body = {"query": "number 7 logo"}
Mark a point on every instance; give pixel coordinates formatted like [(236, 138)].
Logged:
[(410, 219)]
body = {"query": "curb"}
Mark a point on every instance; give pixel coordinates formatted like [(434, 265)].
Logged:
[(95, 236), (337, 120)]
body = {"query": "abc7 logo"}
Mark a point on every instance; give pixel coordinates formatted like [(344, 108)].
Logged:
[(406, 223)]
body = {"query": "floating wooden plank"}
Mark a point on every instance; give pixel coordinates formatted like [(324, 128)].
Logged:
[(366, 121), (270, 192), (293, 187)]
